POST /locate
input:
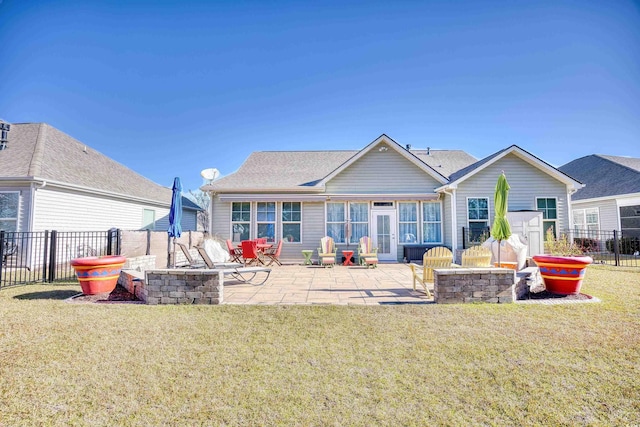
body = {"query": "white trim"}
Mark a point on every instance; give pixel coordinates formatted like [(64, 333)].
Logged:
[(488, 210)]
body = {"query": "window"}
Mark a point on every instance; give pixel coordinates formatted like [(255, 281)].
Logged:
[(431, 223), (9, 211), (240, 220), (148, 219), (630, 221), (291, 221), (478, 217), (549, 210), (336, 221), (359, 216), (585, 220), (266, 220), (408, 222)]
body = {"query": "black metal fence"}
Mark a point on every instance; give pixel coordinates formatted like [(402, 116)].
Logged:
[(44, 256), (605, 247)]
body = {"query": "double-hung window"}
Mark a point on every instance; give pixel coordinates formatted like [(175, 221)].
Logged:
[(585, 221), (431, 223), (9, 211), (240, 221), (359, 221), (266, 220), (548, 207), (408, 222), (291, 221), (478, 217), (336, 221)]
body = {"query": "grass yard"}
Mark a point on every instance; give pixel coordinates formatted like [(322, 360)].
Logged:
[(80, 364)]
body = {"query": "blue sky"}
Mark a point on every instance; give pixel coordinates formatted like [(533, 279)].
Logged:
[(170, 88)]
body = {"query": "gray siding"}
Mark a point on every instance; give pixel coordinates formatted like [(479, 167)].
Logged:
[(221, 216), (382, 172), (527, 183)]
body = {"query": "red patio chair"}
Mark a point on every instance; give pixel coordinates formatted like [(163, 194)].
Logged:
[(250, 253), (274, 253), (234, 253), (261, 240)]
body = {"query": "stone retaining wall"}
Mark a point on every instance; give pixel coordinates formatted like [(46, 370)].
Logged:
[(140, 263), (464, 285), (183, 286), (174, 286)]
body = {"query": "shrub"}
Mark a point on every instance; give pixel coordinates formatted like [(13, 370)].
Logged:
[(628, 245), (586, 244)]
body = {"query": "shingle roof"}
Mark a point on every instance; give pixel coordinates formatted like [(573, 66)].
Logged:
[(41, 151), (301, 170), (604, 175)]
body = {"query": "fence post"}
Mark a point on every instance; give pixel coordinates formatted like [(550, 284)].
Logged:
[(118, 241), (464, 240), (1, 255), (45, 252), (616, 248), (52, 256), (148, 251)]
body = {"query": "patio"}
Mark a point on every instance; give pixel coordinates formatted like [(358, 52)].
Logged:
[(340, 285)]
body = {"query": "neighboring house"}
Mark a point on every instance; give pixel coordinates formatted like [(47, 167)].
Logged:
[(611, 199), (50, 181), (398, 196)]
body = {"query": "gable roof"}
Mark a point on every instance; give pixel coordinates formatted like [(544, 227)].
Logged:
[(467, 172), (604, 175), (38, 151), (308, 171)]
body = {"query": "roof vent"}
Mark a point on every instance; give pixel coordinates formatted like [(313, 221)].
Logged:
[(408, 147), (4, 128), (428, 151)]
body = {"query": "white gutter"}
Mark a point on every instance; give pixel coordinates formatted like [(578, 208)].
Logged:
[(324, 197)]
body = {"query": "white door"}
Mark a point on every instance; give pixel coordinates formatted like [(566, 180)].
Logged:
[(383, 230)]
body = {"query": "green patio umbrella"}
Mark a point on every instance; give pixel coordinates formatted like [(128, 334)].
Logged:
[(501, 230)]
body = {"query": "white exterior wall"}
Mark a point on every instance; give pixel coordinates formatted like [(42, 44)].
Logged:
[(527, 183), (382, 172), (69, 211)]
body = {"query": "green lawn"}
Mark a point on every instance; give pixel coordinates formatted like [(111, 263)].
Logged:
[(80, 364)]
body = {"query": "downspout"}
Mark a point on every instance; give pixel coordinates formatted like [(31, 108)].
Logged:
[(454, 217)]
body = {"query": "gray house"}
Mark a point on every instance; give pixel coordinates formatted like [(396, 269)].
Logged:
[(402, 198), (611, 199), (50, 181)]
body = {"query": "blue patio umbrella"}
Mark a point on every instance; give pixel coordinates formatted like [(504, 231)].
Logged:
[(175, 215)]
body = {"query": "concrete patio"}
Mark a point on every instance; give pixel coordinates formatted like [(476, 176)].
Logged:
[(340, 285)]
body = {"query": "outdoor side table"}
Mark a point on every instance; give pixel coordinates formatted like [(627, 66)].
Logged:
[(348, 255), (307, 256)]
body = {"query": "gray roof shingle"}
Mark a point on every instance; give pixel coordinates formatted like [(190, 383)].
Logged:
[(42, 151), (604, 175), (301, 170)]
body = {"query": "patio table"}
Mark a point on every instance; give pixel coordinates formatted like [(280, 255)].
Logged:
[(307, 256), (348, 255)]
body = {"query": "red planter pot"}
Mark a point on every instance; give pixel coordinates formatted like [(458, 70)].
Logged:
[(562, 274), (98, 274)]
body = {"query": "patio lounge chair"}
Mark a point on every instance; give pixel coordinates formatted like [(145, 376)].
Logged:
[(192, 263), (327, 252), (274, 254), (438, 257), (476, 256), (367, 253), (234, 253), (233, 269)]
